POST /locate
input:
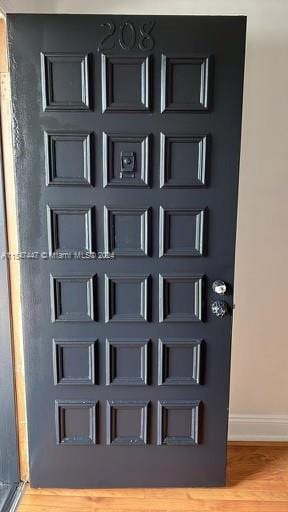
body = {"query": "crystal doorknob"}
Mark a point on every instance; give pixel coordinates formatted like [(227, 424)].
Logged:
[(219, 287), (219, 308)]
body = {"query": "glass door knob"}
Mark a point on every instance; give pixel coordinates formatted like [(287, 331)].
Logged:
[(219, 308), (219, 287)]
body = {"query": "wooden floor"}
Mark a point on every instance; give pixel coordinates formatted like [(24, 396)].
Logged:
[(257, 482)]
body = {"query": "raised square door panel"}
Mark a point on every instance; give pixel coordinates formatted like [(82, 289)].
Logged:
[(181, 232), (65, 81), (72, 298), (74, 361), (70, 229), (178, 422), (185, 83), (68, 158), (179, 361), (125, 84), (127, 422), (125, 160), (183, 160), (126, 231), (180, 298), (75, 422), (127, 362), (126, 298)]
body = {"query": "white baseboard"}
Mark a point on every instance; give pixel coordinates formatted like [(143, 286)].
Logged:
[(250, 427)]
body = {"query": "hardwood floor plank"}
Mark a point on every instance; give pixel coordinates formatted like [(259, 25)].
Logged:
[(157, 496), (194, 506), (259, 485), (160, 494)]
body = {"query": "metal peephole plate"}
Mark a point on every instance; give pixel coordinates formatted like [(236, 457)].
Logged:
[(128, 164)]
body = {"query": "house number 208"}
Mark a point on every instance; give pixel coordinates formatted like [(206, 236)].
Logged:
[(127, 36)]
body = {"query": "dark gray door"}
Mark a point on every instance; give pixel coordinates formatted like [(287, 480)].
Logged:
[(127, 137)]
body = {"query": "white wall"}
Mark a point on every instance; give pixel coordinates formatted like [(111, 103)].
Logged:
[(259, 385)]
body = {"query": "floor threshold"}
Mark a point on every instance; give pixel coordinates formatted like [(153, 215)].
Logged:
[(10, 495)]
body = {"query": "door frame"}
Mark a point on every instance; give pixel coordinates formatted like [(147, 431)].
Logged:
[(11, 474), (9, 462), (12, 383)]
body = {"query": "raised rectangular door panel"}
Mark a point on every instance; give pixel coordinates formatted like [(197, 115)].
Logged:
[(126, 153), (68, 158), (179, 362), (115, 71), (186, 83), (127, 362), (113, 145), (75, 422), (74, 362), (69, 90)]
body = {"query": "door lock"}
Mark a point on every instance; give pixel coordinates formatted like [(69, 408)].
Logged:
[(127, 164)]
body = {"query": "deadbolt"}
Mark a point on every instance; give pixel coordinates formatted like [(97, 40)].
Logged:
[(219, 287)]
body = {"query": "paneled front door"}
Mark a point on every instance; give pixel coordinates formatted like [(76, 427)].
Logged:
[(127, 137)]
